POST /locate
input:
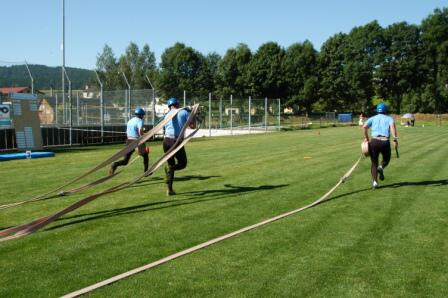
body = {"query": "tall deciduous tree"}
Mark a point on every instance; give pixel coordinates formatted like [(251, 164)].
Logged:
[(334, 87), (301, 75), (364, 52), (400, 72), (233, 68), (182, 68), (266, 73), (435, 37), (107, 67)]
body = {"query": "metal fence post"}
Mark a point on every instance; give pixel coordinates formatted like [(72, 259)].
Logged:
[(77, 107), (249, 112), (220, 112), (70, 112), (279, 112), (185, 98), (266, 114), (231, 114), (209, 114), (101, 107), (56, 109), (153, 107)]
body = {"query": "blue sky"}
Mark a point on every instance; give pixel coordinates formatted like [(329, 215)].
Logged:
[(32, 30)]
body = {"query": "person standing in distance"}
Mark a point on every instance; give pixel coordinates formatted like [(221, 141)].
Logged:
[(133, 131), (381, 128), (171, 132)]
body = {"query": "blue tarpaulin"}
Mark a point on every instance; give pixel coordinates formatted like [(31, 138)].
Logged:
[(345, 117), (11, 156)]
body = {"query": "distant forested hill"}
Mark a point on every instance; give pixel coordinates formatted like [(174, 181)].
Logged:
[(44, 77)]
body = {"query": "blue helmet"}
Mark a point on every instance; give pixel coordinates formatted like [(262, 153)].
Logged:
[(139, 112), (381, 108), (172, 101)]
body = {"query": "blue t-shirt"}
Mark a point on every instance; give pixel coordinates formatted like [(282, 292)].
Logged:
[(133, 127), (174, 127), (380, 125)]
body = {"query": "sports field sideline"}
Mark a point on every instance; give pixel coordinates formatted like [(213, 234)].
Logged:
[(392, 241)]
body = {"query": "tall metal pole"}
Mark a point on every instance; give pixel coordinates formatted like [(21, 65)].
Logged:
[(185, 98), (209, 114), (249, 111), (266, 114), (101, 107), (153, 101), (32, 79), (63, 58), (231, 114)]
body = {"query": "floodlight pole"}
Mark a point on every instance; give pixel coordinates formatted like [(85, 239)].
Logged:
[(153, 101), (128, 104), (70, 105), (32, 79), (101, 106), (63, 58)]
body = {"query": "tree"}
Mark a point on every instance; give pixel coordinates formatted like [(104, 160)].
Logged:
[(182, 68), (434, 37), (332, 63), (233, 75), (364, 52), (301, 75), (400, 72), (266, 75), (107, 67)]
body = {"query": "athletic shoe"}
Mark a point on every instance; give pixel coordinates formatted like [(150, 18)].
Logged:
[(375, 185), (170, 193), (381, 173), (111, 170)]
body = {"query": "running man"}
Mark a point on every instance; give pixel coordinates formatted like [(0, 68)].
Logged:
[(382, 126), (134, 131), (172, 130)]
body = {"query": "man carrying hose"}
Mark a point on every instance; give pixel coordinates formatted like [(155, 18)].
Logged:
[(134, 131), (171, 133), (382, 126)]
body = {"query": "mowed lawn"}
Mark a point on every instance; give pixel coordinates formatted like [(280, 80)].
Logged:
[(390, 242)]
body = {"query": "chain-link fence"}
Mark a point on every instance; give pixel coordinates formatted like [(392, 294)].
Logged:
[(240, 113)]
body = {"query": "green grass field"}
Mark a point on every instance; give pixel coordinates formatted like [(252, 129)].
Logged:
[(390, 242)]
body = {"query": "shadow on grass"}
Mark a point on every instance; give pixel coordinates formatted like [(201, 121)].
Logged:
[(392, 185), (228, 191), (417, 183), (158, 180)]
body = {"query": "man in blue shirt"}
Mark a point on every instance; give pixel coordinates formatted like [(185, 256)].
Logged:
[(382, 126), (172, 131), (134, 130)]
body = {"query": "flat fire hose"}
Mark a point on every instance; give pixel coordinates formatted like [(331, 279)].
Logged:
[(210, 242), (111, 159), (28, 228)]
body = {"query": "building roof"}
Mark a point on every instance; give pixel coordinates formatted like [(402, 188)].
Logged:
[(15, 90)]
